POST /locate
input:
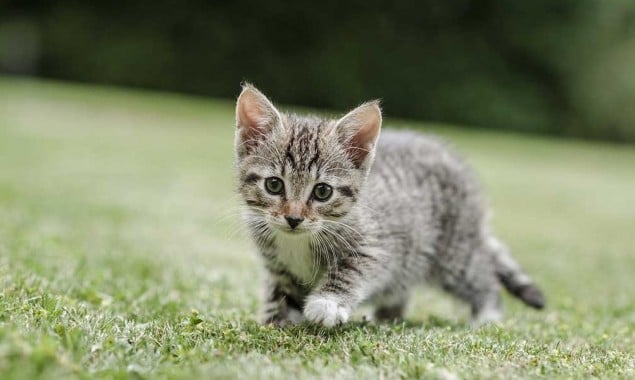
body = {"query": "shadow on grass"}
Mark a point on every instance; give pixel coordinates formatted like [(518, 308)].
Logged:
[(371, 328)]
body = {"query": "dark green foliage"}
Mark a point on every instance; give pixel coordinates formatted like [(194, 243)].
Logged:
[(562, 67)]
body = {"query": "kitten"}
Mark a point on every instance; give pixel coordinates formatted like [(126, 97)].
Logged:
[(336, 229)]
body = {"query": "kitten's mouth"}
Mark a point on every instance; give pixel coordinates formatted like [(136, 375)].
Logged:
[(294, 231)]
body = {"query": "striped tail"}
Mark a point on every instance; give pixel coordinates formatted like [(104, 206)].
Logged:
[(515, 280)]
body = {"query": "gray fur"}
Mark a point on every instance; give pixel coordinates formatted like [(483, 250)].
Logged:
[(414, 216)]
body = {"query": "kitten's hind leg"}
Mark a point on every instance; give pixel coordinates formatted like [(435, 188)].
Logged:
[(487, 308), (478, 286)]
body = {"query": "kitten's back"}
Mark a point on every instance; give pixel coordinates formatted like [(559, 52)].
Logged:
[(412, 170), (429, 202)]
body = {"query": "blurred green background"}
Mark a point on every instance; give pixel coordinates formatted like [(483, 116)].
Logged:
[(564, 67), (121, 251)]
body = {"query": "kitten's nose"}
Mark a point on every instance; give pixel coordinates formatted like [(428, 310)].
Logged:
[(293, 221)]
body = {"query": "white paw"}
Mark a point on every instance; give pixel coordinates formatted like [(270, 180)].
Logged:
[(487, 317), (325, 311)]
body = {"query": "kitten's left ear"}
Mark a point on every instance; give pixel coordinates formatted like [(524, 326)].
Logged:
[(256, 117), (358, 130)]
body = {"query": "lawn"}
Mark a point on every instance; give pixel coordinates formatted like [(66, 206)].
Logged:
[(121, 254)]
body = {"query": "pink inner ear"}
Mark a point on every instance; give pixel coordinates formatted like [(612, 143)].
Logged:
[(254, 114), (249, 111), (248, 122), (249, 128), (359, 148), (366, 119)]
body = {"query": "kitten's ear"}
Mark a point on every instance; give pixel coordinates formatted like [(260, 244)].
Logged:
[(255, 118), (358, 130)]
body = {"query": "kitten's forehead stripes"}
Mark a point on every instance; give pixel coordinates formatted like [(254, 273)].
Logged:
[(303, 150), (316, 156), (288, 156)]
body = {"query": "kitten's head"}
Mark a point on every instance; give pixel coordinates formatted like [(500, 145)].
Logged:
[(300, 174)]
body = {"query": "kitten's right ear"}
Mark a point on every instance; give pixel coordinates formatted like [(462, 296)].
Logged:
[(358, 130), (255, 118)]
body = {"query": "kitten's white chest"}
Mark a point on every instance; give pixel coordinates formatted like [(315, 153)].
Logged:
[(294, 252)]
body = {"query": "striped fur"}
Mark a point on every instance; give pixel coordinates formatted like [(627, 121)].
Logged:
[(415, 215)]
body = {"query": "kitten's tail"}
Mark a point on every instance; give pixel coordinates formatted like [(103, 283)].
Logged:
[(515, 280)]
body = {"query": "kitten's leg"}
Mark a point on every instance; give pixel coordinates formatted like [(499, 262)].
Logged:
[(390, 313), (344, 287), (485, 302), (391, 306), (483, 289), (487, 308), (280, 308), (478, 285)]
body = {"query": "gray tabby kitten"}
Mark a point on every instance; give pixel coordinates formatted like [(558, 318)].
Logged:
[(342, 217)]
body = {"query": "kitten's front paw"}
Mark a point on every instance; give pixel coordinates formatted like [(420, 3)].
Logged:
[(325, 311)]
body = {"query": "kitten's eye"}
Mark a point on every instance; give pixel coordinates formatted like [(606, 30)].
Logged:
[(274, 185), (322, 192)]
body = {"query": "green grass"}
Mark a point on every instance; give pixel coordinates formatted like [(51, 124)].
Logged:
[(121, 254)]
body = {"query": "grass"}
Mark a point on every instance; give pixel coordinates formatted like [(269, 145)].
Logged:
[(119, 256)]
